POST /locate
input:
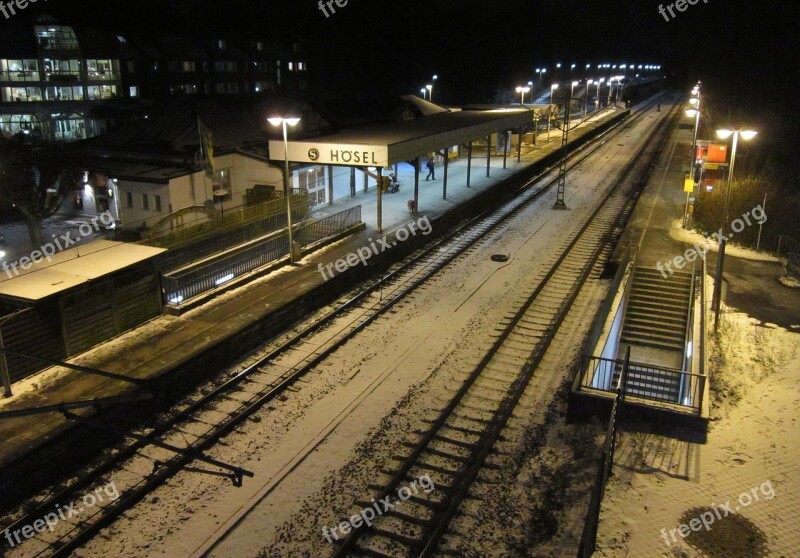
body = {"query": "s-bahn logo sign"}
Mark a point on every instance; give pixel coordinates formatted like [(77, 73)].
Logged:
[(332, 154)]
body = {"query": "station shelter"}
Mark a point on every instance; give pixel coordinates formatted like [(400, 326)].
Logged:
[(374, 148)]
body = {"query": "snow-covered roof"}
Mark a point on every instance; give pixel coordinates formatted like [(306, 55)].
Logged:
[(71, 268)]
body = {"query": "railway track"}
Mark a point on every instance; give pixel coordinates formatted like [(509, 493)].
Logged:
[(453, 450), (160, 450)]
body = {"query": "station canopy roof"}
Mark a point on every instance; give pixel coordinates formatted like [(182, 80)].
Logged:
[(73, 267), (384, 144)]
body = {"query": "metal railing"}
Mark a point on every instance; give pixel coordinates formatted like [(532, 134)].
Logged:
[(225, 239), (185, 284), (644, 381), (789, 247), (605, 466), (232, 219)]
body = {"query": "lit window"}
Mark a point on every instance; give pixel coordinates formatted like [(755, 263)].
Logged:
[(121, 39), (134, 91), (291, 66)]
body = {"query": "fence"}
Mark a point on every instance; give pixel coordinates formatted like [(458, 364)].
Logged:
[(606, 466), (185, 284), (230, 222), (790, 248), (225, 238)]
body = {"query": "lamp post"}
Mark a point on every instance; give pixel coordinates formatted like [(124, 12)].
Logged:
[(430, 87), (725, 134), (692, 112), (424, 93), (571, 95), (586, 101), (550, 110), (597, 96), (283, 122), (522, 90)]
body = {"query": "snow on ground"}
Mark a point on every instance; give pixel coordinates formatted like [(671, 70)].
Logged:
[(790, 282), (303, 451), (693, 237), (749, 462)]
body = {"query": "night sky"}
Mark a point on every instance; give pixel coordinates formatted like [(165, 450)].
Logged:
[(746, 52)]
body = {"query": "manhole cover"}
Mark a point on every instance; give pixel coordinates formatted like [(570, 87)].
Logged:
[(499, 258)]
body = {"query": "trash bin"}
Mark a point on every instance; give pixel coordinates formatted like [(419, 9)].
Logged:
[(412, 206)]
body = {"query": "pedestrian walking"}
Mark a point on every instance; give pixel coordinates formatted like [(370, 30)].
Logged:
[(431, 169)]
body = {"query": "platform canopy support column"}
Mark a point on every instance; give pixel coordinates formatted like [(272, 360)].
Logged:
[(446, 164), (488, 156), (330, 184), (416, 184), (469, 163), (520, 137), (352, 182), (380, 199), (366, 181), (506, 140)]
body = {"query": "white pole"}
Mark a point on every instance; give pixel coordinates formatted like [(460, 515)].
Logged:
[(761, 224)]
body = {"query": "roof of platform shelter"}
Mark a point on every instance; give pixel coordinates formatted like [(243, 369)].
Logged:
[(538, 109), (385, 144), (74, 267)]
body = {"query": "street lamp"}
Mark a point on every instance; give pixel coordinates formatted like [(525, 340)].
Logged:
[(586, 101), (571, 95), (725, 134), (692, 113), (550, 110), (430, 87), (283, 122), (424, 93), (597, 96), (522, 90)]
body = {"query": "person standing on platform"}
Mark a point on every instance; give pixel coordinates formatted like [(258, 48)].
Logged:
[(431, 169)]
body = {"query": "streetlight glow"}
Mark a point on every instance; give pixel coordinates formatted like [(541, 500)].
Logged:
[(748, 134)]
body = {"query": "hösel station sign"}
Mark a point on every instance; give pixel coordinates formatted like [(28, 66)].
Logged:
[(384, 144), (332, 154)]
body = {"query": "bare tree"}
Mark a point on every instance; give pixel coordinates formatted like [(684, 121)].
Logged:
[(35, 178)]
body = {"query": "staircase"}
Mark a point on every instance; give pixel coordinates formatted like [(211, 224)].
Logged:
[(655, 328), (657, 310)]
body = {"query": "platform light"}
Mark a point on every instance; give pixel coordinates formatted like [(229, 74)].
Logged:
[(283, 122), (224, 279)]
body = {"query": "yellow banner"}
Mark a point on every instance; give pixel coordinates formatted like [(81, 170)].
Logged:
[(688, 185)]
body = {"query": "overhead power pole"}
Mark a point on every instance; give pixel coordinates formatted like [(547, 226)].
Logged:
[(562, 173)]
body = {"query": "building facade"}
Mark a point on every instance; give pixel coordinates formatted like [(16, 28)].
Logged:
[(59, 83)]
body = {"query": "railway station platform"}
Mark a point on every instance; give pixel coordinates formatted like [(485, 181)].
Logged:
[(224, 329)]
